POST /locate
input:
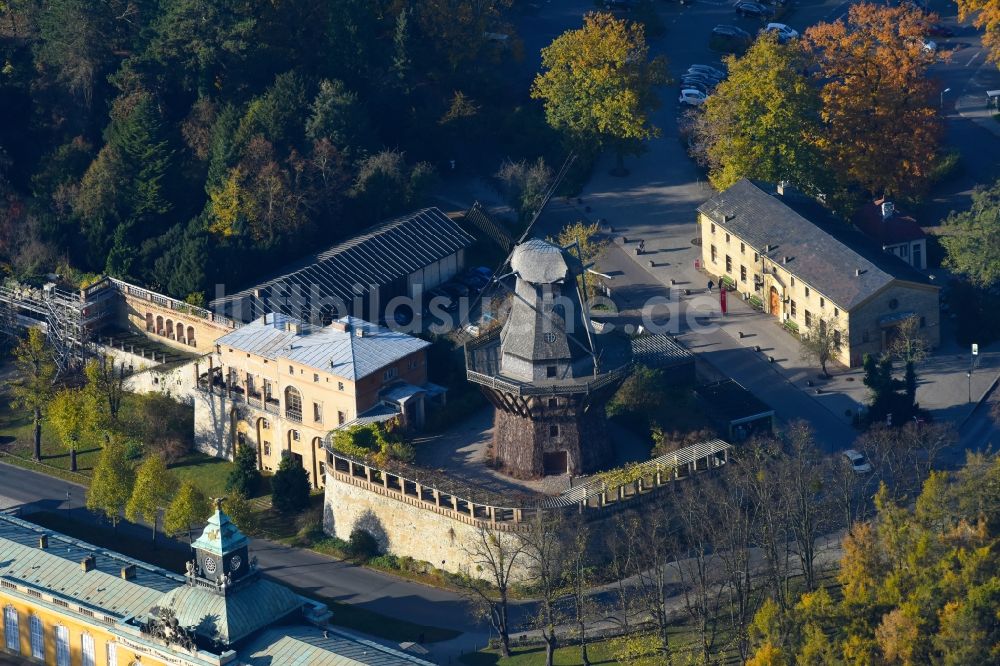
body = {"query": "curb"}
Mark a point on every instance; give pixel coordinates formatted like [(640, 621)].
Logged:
[(980, 401)]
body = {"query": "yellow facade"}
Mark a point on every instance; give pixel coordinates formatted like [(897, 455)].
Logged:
[(326, 401), (801, 306), (78, 627)]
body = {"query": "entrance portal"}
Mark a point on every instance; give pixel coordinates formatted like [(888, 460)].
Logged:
[(775, 302), (556, 462)]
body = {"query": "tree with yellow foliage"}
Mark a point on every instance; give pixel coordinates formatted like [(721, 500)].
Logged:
[(598, 84)]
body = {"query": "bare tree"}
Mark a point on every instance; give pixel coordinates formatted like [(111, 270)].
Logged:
[(579, 579), (621, 543), (544, 551), (904, 456), (821, 344), (908, 344), (495, 554), (106, 381), (737, 518), (803, 471), (850, 491), (762, 482), (699, 573), (655, 554)]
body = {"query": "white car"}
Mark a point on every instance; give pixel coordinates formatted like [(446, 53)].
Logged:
[(929, 45), (783, 31), (858, 462), (692, 97)]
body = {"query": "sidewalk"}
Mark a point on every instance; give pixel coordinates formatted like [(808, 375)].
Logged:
[(972, 102)]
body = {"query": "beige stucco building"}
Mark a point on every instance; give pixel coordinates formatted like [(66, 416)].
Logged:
[(281, 386), (809, 273)]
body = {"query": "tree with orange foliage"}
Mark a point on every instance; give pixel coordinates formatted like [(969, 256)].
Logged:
[(987, 19), (882, 127)]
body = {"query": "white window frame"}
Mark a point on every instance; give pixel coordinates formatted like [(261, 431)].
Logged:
[(11, 629), (62, 645), (112, 652), (37, 638), (87, 656)]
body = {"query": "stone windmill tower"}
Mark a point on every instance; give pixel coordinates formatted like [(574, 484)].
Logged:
[(545, 372)]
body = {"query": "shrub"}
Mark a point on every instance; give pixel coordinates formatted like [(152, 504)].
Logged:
[(310, 526), (387, 561), (362, 545), (245, 476), (290, 486)]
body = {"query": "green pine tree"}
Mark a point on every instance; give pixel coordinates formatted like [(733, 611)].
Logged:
[(290, 486), (245, 476)]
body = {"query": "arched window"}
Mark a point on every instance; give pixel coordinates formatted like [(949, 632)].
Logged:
[(293, 404), (190, 336), (159, 325), (37, 638), (11, 631), (149, 321), (170, 329), (180, 331)]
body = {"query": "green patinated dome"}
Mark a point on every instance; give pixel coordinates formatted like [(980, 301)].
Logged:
[(220, 536)]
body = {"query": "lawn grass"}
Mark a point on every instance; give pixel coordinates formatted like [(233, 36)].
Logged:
[(205, 471), (17, 441)]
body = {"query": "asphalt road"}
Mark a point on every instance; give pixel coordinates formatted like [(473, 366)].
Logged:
[(313, 573)]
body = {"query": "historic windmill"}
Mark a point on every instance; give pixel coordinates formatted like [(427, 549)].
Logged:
[(544, 371)]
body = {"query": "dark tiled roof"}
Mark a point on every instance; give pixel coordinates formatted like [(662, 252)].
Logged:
[(729, 400), (822, 253), (899, 228), (386, 252)]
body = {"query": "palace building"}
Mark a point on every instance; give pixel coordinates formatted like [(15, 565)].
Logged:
[(281, 385), (69, 603), (784, 255)]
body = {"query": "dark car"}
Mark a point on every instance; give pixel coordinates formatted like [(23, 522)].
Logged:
[(753, 9), (707, 70), (729, 38), (940, 30), (699, 78)]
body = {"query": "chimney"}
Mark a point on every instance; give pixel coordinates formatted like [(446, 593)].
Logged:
[(727, 216), (88, 563), (359, 331), (128, 572), (782, 184), (857, 272), (888, 208), (293, 327), (43, 541), (339, 326), (785, 259)]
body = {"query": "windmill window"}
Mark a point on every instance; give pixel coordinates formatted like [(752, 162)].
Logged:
[(550, 371)]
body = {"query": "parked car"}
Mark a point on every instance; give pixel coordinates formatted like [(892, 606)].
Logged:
[(857, 461), (695, 85), (484, 271), (708, 70), (729, 38), (473, 280), (692, 97), (928, 45), (698, 80), (751, 9), (784, 32), (940, 30), (701, 78)]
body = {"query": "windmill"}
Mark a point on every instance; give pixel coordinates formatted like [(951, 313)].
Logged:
[(544, 371)]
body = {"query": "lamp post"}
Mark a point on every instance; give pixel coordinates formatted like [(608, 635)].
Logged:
[(941, 105), (69, 505)]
